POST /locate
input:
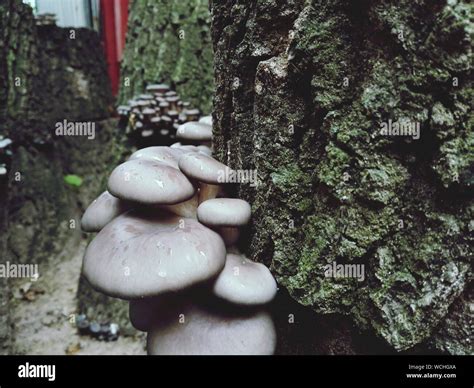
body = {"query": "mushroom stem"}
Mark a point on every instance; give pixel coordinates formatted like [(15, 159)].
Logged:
[(186, 209), (208, 191), (229, 234)]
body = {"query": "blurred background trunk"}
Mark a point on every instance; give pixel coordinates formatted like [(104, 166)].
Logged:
[(48, 74), (169, 42), (302, 89)]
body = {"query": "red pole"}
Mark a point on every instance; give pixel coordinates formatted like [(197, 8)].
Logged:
[(114, 14)]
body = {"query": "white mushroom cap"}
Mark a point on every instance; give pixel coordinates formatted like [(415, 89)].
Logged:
[(205, 150), (245, 282), (224, 212), (188, 148), (206, 120), (194, 131), (201, 331), (148, 111), (101, 211), (162, 154), (157, 88), (149, 182), (203, 168), (145, 253)]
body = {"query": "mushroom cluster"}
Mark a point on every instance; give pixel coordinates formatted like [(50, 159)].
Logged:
[(153, 118), (167, 243)]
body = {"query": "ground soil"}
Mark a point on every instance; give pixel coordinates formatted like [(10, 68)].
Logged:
[(42, 312)]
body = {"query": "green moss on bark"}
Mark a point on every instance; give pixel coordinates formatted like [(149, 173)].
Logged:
[(302, 90)]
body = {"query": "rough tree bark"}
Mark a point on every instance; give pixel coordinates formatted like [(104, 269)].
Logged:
[(303, 88), (169, 41)]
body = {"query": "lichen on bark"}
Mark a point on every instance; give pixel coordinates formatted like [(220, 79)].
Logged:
[(303, 88)]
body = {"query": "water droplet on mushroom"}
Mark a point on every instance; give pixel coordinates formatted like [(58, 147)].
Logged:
[(160, 183), (162, 274)]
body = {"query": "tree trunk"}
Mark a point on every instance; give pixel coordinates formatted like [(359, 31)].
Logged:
[(304, 90), (48, 74), (169, 42)]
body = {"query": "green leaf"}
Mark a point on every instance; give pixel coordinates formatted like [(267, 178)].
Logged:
[(73, 180)]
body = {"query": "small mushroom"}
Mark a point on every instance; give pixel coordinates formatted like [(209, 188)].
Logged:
[(245, 282), (123, 110), (173, 114), (205, 150), (206, 120), (157, 88), (171, 93), (147, 133), (203, 168), (149, 182), (225, 215), (145, 97), (161, 154), (191, 114), (173, 101), (224, 212), (194, 132), (143, 104), (101, 211), (164, 106), (5, 142), (206, 170)]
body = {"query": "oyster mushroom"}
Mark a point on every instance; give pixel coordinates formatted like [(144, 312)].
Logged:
[(180, 326), (101, 211), (206, 332), (169, 156), (206, 120), (145, 253), (149, 182), (245, 282), (157, 88), (206, 170), (195, 133), (225, 215)]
